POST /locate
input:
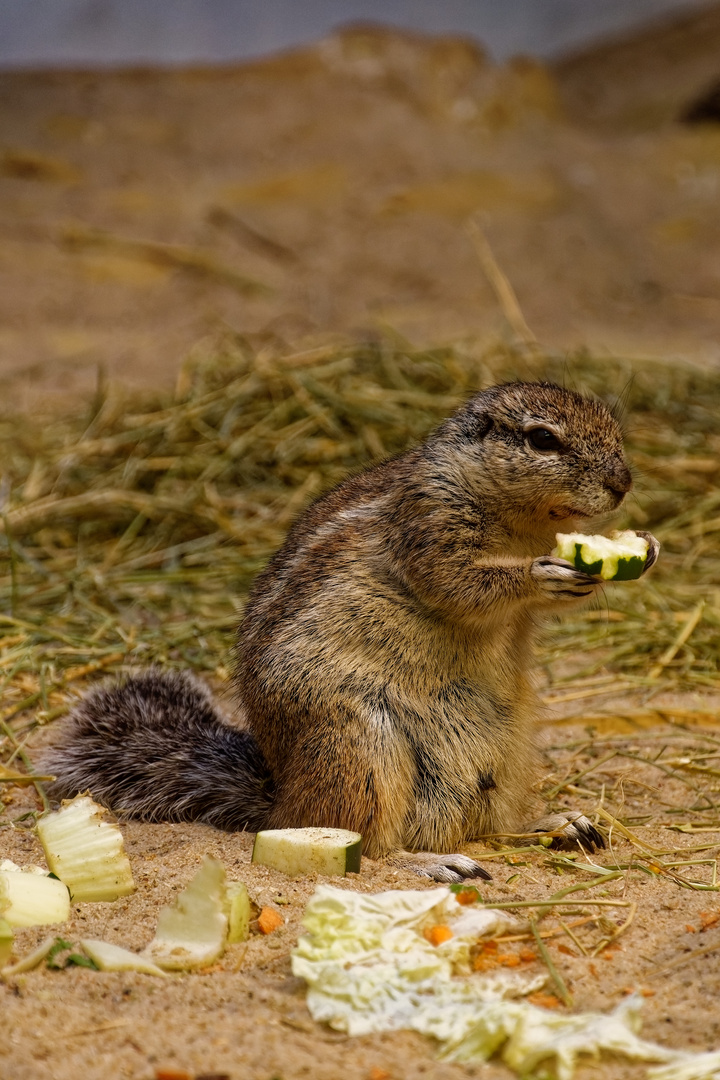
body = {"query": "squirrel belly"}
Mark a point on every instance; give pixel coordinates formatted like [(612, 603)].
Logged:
[(384, 661), (156, 747)]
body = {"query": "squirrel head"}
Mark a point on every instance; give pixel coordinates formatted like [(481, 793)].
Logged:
[(534, 453)]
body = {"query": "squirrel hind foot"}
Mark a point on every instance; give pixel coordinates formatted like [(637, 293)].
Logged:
[(574, 830), (156, 747), (448, 869)]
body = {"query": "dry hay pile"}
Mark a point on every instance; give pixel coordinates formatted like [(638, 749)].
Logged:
[(130, 533)]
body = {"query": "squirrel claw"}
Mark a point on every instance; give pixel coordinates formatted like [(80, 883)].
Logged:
[(574, 828), (449, 869), (653, 550), (559, 580)]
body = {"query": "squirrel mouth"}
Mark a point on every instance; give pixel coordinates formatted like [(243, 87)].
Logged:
[(562, 513)]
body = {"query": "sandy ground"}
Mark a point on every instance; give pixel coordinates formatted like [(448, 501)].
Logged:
[(327, 192), (246, 1016)]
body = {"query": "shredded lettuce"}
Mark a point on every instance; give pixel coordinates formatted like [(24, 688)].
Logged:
[(369, 968), (694, 1067)]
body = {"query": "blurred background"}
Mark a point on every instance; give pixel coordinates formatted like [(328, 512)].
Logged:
[(97, 32), (174, 171)]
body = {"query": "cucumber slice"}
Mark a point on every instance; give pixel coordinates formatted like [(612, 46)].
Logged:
[(309, 851), (619, 557)]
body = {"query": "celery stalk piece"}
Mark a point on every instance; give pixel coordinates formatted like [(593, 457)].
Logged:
[(32, 899), (6, 941), (85, 851), (114, 958), (192, 932), (238, 912)]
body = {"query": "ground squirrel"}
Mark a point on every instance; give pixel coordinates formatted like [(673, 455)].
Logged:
[(383, 665)]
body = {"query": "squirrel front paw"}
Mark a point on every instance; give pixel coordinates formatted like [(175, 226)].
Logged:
[(559, 580)]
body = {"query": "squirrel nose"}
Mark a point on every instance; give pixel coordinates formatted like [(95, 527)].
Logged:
[(619, 480)]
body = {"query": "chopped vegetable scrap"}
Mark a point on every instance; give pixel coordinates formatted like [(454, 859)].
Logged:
[(619, 557), (309, 851), (85, 851), (269, 920), (370, 967), (466, 894), (6, 941), (27, 963), (62, 954), (437, 935), (192, 931), (238, 911), (696, 1067), (107, 957), (30, 897)]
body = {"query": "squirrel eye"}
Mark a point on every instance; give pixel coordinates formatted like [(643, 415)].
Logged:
[(542, 439)]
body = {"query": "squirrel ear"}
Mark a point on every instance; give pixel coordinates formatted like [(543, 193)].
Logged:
[(474, 426)]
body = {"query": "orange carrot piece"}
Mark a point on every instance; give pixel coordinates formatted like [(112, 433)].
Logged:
[(269, 920), (437, 934), (467, 896), (544, 1001)]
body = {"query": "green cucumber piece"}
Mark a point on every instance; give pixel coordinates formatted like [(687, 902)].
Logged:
[(6, 941), (192, 931), (238, 912), (619, 557), (309, 851)]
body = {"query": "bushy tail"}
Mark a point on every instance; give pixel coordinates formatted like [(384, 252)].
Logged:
[(156, 747)]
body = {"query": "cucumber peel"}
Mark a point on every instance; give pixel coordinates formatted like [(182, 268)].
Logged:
[(6, 941), (309, 851), (238, 912), (619, 557)]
